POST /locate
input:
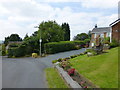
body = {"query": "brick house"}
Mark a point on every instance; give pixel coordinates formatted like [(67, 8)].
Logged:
[(98, 34), (115, 26)]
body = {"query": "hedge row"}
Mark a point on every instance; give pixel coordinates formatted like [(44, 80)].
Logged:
[(55, 47), (16, 51)]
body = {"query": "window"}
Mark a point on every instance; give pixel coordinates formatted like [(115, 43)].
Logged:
[(92, 44), (102, 35), (95, 36)]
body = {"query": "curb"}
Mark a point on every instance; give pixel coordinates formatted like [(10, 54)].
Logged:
[(67, 78)]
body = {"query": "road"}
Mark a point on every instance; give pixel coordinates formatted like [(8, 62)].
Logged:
[(29, 72)]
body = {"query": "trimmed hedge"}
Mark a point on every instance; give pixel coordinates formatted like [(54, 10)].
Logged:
[(55, 47), (16, 51)]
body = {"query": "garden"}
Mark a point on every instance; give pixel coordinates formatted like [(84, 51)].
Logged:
[(96, 71)]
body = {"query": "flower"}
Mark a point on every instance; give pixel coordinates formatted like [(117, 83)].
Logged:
[(85, 87), (71, 71)]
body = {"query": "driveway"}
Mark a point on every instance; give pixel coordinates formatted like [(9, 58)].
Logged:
[(29, 72)]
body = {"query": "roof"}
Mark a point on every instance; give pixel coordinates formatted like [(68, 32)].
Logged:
[(118, 20), (100, 30)]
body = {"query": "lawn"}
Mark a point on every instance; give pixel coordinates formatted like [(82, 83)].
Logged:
[(102, 69), (53, 79)]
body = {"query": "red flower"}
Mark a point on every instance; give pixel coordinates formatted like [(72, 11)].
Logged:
[(85, 87), (71, 71)]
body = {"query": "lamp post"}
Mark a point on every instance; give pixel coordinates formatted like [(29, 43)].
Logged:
[(40, 41)]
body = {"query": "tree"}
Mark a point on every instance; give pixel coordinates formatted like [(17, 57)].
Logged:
[(26, 36), (66, 29), (50, 32), (6, 40), (12, 37), (81, 37), (15, 37), (89, 34)]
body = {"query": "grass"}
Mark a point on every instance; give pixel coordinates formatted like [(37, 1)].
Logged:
[(102, 69), (53, 79)]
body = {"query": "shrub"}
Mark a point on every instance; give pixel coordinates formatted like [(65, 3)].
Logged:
[(71, 72), (65, 65), (106, 40), (16, 51), (73, 56), (34, 55), (81, 53), (114, 43), (77, 47), (67, 58), (92, 51), (54, 61), (55, 47), (59, 60), (3, 50), (86, 41)]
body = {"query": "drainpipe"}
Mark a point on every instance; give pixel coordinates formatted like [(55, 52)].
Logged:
[(110, 34)]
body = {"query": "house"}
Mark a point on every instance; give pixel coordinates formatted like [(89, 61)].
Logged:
[(99, 33), (13, 42), (115, 26)]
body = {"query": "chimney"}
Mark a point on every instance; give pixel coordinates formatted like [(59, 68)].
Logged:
[(95, 25)]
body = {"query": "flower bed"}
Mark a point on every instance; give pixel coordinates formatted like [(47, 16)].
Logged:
[(67, 66)]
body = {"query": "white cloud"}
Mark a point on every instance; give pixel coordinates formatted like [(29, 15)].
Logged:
[(23, 15), (91, 3), (100, 3)]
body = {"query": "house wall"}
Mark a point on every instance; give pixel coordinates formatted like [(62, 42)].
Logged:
[(95, 38), (92, 40), (116, 32)]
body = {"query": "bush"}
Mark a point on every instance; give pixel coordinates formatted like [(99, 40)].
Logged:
[(106, 40), (34, 55), (59, 60), (73, 56), (2, 50), (54, 61), (71, 72), (16, 51), (86, 41), (93, 52), (65, 65), (55, 47), (114, 43)]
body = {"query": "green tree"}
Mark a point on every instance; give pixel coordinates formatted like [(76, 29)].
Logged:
[(89, 34), (50, 32), (12, 37), (32, 44), (6, 40), (15, 37), (26, 36), (66, 29), (81, 36)]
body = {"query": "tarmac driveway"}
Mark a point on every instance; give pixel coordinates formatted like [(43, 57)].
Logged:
[(29, 72)]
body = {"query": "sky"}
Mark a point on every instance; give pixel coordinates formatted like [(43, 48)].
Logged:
[(20, 16)]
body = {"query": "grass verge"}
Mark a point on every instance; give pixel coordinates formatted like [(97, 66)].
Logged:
[(53, 79), (102, 69)]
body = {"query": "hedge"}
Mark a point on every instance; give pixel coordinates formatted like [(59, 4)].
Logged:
[(16, 51), (55, 47)]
